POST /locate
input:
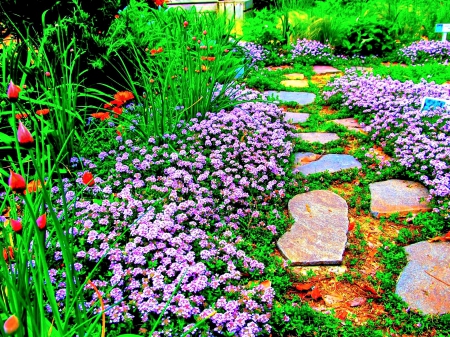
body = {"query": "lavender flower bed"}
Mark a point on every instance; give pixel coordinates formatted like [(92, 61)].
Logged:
[(422, 51), (255, 52), (163, 218), (309, 50), (421, 139)]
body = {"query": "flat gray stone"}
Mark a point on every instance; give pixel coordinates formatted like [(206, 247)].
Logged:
[(295, 117), (349, 123), (397, 196), (329, 162), (319, 234), (425, 282), (302, 98), (319, 70), (320, 137)]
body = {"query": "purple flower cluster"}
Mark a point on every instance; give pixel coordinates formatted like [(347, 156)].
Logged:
[(255, 52), (421, 139), (166, 218), (311, 49), (422, 51)]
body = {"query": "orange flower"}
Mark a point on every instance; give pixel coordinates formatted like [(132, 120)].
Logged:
[(13, 92), (33, 186), (42, 112), (117, 112), (16, 182), (123, 96), (211, 58), (11, 325), (101, 115), (21, 115), (7, 256), (88, 179), (204, 68)]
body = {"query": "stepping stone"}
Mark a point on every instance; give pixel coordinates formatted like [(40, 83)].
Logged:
[(425, 282), (325, 70), (320, 137), (295, 83), (302, 158), (350, 123), (302, 98), (295, 117), (319, 234), (397, 196), (329, 162), (294, 76)]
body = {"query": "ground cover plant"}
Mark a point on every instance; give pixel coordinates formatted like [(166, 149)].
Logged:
[(151, 204)]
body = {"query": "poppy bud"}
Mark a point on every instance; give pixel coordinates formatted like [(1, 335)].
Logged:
[(42, 221), (13, 92), (205, 32), (185, 24), (47, 73), (24, 135), (16, 182), (16, 226), (7, 256), (11, 325), (88, 179)]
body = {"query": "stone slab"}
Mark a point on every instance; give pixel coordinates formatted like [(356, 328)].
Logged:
[(296, 117), (318, 137), (294, 76), (350, 123), (424, 283), (397, 196), (302, 158), (302, 98), (295, 83), (329, 162), (319, 234), (319, 70)]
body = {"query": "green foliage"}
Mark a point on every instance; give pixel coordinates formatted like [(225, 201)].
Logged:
[(369, 37), (431, 72)]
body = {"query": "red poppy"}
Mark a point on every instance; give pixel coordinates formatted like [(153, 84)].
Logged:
[(11, 325), (13, 92), (101, 115), (42, 112), (24, 136), (159, 50), (42, 221), (117, 111), (116, 16), (33, 186), (21, 115), (159, 2), (88, 179), (16, 182), (123, 96), (211, 58), (153, 52), (117, 102), (16, 226)]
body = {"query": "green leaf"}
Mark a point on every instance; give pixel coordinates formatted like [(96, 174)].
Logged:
[(4, 138)]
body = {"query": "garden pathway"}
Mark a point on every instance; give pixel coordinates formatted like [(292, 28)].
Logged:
[(318, 236)]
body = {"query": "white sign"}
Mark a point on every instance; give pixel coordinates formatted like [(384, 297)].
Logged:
[(442, 28)]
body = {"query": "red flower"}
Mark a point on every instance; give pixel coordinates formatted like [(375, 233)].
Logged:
[(101, 115), (159, 50), (16, 226), (185, 24), (24, 135), (42, 112), (123, 96), (118, 103), (47, 73), (16, 182), (42, 221), (11, 325), (117, 112), (88, 179), (159, 2), (13, 92), (33, 186), (116, 16)]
